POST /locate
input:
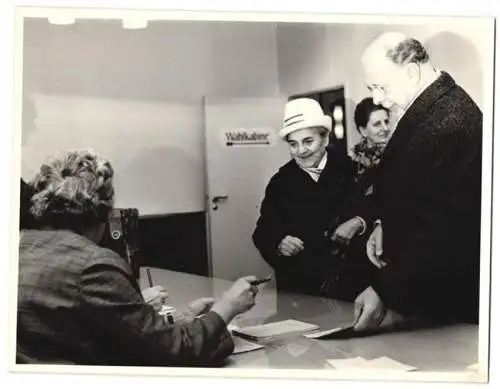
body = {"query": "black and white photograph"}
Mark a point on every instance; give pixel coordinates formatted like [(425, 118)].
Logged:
[(242, 195)]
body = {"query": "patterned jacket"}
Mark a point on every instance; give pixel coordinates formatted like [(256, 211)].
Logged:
[(78, 303)]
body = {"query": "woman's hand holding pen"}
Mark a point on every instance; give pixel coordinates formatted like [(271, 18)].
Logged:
[(239, 298), (154, 295), (203, 305)]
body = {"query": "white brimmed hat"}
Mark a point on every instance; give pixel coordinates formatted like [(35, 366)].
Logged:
[(303, 113)]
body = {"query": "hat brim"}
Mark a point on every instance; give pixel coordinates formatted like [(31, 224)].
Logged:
[(324, 121)]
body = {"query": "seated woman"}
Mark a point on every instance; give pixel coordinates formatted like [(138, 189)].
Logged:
[(78, 303), (300, 201), (155, 295)]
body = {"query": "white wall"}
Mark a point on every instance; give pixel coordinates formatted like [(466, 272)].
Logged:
[(136, 95), (329, 55), (154, 147)]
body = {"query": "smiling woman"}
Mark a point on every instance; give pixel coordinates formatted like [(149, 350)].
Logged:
[(301, 202), (372, 123), (308, 147)]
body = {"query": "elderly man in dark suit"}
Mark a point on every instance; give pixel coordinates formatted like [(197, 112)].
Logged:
[(427, 188)]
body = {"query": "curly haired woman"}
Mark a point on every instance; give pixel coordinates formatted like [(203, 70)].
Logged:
[(79, 303)]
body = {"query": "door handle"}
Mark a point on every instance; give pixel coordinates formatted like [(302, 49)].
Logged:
[(216, 199)]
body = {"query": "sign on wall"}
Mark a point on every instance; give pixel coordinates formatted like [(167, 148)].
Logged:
[(245, 137)]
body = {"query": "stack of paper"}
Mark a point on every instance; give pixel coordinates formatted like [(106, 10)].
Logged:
[(382, 363), (242, 345), (274, 329), (330, 334)]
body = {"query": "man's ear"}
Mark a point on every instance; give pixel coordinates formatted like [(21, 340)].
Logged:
[(414, 72)]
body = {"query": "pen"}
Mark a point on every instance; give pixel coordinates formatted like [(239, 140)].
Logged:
[(261, 281), (149, 278)]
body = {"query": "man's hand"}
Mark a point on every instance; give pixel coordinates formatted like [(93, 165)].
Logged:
[(374, 249), (290, 245), (347, 230), (369, 311)]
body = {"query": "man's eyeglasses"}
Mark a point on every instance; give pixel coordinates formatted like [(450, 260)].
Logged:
[(378, 88)]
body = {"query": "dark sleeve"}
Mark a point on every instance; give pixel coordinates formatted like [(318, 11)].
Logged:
[(358, 199), (269, 230), (401, 283), (364, 202), (441, 250), (365, 206), (26, 220), (112, 303)]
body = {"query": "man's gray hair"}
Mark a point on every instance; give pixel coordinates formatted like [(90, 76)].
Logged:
[(399, 48), (408, 51)]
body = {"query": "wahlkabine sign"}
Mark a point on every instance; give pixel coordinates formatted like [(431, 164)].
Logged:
[(250, 137)]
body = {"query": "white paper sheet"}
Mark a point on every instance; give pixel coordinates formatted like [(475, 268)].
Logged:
[(274, 329), (382, 363), (386, 363), (346, 363)]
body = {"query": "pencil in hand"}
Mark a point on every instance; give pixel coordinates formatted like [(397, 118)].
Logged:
[(150, 279), (261, 281)]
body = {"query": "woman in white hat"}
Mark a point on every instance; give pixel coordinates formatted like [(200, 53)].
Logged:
[(300, 202)]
